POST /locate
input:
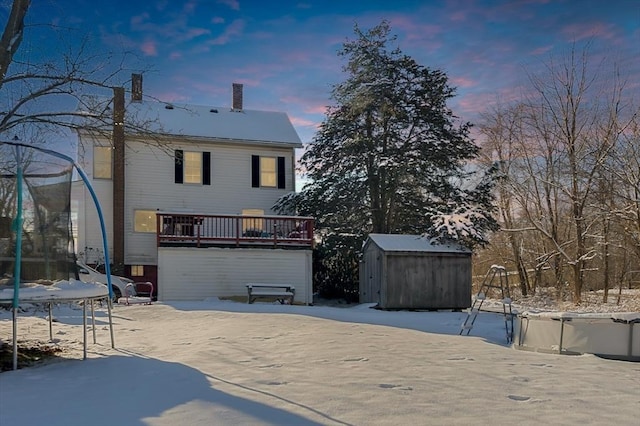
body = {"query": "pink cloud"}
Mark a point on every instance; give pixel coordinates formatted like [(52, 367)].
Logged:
[(413, 30), (427, 36), (541, 50), (175, 55), (233, 29), (172, 97), (306, 106), (303, 122), (576, 32), (149, 48), (189, 7), (138, 19), (458, 16), (297, 57), (463, 82), (217, 20), (316, 109), (231, 4), (195, 32)]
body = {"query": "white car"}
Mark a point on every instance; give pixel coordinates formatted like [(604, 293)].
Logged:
[(118, 284)]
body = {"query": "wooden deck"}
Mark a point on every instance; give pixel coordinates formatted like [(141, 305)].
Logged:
[(197, 230)]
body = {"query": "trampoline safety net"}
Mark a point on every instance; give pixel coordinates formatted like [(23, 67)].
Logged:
[(41, 184)]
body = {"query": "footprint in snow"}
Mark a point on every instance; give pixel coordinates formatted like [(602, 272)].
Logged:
[(460, 358), (390, 386), (271, 383), (518, 397)]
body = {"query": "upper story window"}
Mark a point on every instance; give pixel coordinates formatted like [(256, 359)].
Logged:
[(267, 172), (102, 168), (192, 167)]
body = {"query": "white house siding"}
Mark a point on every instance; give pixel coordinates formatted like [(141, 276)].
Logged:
[(150, 185), (196, 274), (90, 242)]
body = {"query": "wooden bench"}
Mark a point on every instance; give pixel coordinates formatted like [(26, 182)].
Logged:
[(282, 292)]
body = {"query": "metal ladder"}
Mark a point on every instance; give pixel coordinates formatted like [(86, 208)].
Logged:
[(502, 284)]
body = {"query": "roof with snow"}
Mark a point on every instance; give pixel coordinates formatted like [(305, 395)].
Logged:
[(414, 243), (202, 122), (215, 122)]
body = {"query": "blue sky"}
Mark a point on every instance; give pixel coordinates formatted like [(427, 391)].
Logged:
[(284, 52)]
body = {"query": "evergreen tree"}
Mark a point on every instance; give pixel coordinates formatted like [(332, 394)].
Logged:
[(389, 156)]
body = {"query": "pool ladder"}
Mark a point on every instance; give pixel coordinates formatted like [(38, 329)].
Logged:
[(496, 278)]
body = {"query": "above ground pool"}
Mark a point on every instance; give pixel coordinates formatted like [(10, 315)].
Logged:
[(610, 335)]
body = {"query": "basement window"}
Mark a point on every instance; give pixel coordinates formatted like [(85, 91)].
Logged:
[(137, 270)]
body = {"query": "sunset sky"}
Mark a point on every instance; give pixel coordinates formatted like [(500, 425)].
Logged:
[(285, 52)]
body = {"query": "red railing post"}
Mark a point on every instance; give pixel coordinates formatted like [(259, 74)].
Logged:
[(197, 222), (275, 235), (285, 230), (237, 231)]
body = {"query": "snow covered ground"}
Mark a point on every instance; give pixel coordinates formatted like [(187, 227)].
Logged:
[(226, 363)]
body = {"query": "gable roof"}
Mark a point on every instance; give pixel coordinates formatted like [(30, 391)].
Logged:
[(215, 122), (413, 243)]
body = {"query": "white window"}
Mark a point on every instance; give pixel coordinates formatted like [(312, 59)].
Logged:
[(192, 167), (268, 176), (267, 172), (102, 168), (144, 221), (252, 225)]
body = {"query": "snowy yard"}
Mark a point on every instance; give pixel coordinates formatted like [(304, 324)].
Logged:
[(227, 363)]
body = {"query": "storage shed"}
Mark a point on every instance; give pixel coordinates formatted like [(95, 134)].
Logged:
[(411, 272)]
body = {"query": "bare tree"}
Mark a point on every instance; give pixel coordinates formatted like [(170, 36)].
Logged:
[(12, 35), (569, 155), (502, 128), (578, 112), (70, 88)]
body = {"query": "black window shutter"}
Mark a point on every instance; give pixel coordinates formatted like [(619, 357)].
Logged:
[(206, 168), (281, 175), (179, 165), (255, 171)]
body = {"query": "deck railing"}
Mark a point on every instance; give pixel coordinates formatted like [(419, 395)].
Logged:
[(238, 230)]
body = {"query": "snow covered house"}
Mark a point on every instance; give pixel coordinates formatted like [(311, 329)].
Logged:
[(187, 203), (411, 272)]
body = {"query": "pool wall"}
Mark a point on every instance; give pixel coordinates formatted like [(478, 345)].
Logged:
[(609, 335)]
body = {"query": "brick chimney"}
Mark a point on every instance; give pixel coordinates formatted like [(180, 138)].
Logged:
[(136, 87), (237, 97)]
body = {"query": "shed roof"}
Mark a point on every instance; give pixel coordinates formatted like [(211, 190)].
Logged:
[(415, 243)]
